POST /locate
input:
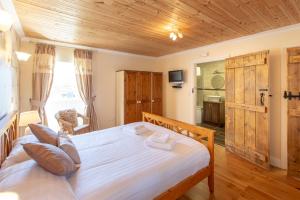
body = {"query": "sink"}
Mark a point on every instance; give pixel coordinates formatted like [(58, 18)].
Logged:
[(214, 98)]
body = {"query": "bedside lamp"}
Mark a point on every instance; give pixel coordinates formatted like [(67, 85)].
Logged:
[(29, 117)]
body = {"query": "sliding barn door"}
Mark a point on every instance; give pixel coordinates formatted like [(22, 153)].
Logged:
[(293, 98), (247, 107)]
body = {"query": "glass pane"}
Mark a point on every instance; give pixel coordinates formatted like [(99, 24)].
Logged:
[(64, 93)]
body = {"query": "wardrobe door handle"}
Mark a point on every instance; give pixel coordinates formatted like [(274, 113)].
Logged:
[(152, 101)]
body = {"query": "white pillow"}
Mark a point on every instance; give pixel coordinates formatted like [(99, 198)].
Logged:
[(28, 181), (24, 139), (17, 153)]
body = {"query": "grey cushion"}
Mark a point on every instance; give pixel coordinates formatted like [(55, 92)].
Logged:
[(51, 158), (44, 134), (66, 144)]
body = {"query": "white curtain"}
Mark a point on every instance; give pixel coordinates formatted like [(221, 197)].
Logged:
[(42, 78), (83, 64)]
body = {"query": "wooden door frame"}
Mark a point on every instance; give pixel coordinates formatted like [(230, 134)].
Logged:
[(284, 107)]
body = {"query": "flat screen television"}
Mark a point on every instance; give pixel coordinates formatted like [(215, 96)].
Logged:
[(176, 76)]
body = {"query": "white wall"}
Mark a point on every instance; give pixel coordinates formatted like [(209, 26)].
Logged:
[(105, 64), (26, 69), (179, 103)]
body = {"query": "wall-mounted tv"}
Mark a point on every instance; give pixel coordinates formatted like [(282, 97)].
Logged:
[(176, 76)]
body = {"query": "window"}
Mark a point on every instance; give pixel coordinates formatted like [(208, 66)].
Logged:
[(64, 93)]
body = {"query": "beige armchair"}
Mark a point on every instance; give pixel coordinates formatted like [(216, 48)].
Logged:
[(68, 122)]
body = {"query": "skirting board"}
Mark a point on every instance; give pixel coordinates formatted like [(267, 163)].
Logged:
[(276, 162)]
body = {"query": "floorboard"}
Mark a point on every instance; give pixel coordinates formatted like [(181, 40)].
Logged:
[(237, 179)]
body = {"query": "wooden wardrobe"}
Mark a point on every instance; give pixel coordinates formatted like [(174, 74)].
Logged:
[(137, 92)]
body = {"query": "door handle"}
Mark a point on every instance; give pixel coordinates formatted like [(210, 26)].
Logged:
[(262, 98), (262, 95), (152, 101), (138, 102)]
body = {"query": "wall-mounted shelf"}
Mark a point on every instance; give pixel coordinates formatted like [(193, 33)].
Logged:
[(176, 84), (210, 89)]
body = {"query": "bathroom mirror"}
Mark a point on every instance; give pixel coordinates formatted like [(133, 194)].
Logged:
[(217, 82)]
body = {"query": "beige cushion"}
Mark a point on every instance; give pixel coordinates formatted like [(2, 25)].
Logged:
[(69, 116), (51, 158), (44, 134), (66, 144)]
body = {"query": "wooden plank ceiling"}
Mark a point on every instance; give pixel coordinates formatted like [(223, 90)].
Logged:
[(140, 26)]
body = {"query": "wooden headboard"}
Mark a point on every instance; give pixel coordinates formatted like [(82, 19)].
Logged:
[(8, 133)]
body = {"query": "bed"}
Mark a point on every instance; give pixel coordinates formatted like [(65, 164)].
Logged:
[(118, 165)]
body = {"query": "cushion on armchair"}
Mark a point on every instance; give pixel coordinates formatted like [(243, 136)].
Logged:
[(69, 116), (68, 122)]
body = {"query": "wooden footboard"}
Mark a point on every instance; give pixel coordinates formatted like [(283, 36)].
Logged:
[(8, 133), (203, 135)]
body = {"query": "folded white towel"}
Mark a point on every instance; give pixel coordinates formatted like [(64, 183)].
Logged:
[(159, 137), (141, 129), (169, 145)]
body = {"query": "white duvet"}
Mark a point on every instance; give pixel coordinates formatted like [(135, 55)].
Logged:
[(28, 181), (116, 165)]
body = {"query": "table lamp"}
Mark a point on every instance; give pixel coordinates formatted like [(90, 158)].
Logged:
[(29, 117)]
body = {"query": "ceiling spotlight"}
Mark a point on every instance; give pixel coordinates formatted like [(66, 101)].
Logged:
[(174, 38), (174, 34), (180, 35)]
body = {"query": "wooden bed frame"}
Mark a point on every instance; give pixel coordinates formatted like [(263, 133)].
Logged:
[(203, 135), (9, 132)]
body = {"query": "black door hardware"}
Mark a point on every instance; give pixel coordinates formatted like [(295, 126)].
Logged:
[(290, 96), (262, 96), (263, 90)]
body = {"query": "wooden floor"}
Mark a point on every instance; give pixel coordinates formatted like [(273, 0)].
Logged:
[(241, 180)]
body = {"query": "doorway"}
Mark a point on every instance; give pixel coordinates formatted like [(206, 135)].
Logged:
[(210, 98)]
